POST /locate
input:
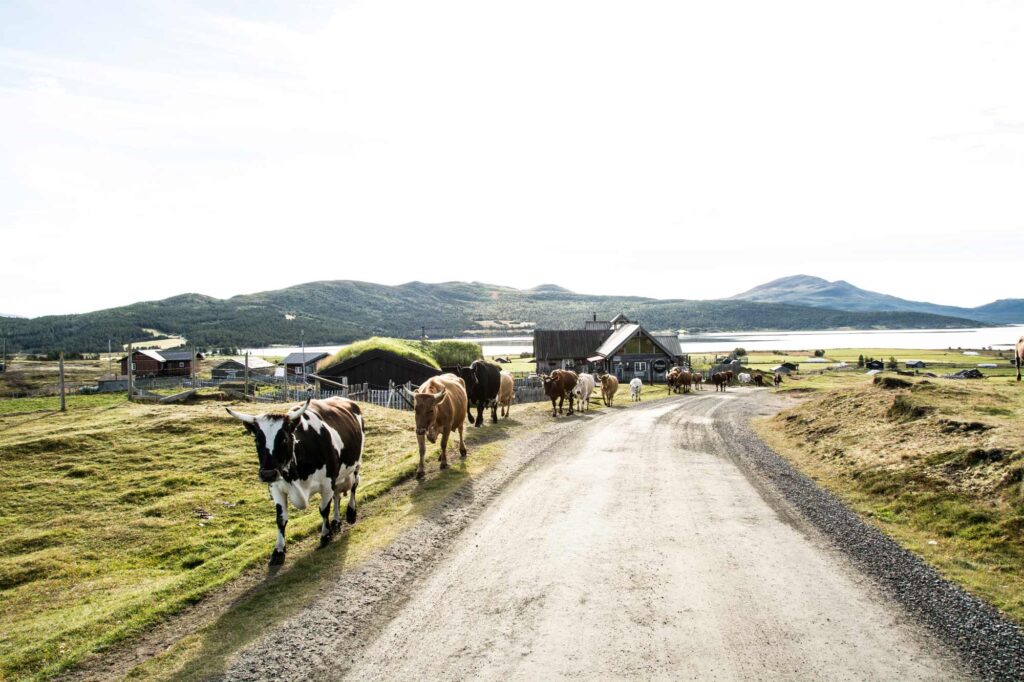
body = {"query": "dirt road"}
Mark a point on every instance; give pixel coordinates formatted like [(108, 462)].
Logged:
[(641, 548)]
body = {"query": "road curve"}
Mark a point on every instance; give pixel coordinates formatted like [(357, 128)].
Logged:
[(639, 548)]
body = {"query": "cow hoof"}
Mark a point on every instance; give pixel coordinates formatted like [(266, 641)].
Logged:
[(277, 558), (420, 474), (350, 515), (444, 464), (336, 526), (326, 539), (463, 454)]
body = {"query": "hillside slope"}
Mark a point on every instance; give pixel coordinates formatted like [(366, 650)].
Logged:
[(342, 310), (841, 295)]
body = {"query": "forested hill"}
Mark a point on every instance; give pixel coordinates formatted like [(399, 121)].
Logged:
[(340, 311)]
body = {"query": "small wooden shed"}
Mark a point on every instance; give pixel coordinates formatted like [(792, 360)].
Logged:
[(378, 367)]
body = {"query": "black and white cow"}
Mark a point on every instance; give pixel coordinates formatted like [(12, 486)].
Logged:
[(314, 448)]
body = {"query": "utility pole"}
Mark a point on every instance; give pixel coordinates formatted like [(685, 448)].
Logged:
[(247, 373), (130, 361), (110, 359), (63, 404), (3, 362), (192, 367)]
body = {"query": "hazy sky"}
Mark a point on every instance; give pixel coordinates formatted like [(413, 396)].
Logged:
[(675, 149)]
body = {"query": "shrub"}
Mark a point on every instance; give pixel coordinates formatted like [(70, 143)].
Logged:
[(740, 352)]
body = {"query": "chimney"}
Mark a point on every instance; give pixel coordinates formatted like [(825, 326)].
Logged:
[(595, 317)]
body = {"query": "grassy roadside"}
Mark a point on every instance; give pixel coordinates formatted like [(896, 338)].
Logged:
[(936, 464), (159, 506)]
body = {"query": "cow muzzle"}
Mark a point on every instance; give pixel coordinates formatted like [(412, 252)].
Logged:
[(269, 475)]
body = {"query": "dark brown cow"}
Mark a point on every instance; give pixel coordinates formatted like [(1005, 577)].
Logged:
[(558, 386), (729, 376), (1019, 355), (759, 380), (441, 406), (698, 381), (609, 387), (778, 378), (720, 380)]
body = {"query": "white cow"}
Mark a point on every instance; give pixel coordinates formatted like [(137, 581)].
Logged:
[(584, 387), (634, 389), (744, 378)]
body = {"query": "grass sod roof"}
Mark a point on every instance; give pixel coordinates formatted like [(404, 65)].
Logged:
[(432, 354)]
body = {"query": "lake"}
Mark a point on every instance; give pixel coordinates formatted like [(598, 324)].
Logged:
[(927, 339)]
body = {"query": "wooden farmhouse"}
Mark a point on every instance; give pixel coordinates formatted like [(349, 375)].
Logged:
[(160, 363), (301, 364), (619, 347), (235, 369), (378, 368)]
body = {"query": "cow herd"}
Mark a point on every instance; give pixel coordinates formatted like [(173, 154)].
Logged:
[(317, 447)]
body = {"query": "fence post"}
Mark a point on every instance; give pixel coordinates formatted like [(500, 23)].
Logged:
[(130, 372), (63, 404), (247, 372)]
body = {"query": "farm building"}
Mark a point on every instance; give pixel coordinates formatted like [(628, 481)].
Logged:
[(235, 369), (160, 363), (875, 364), (378, 367), (301, 364), (621, 347), (915, 364)]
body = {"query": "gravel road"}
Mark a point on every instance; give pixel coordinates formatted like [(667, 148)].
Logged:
[(657, 542)]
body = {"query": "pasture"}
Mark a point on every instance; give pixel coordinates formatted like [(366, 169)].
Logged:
[(122, 514), (937, 464)]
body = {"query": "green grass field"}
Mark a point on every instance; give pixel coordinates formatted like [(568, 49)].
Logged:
[(120, 514)]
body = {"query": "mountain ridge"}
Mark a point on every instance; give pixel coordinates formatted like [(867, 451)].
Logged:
[(841, 295), (339, 311)]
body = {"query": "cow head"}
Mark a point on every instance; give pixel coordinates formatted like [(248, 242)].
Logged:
[(468, 375), (425, 405), (275, 439)]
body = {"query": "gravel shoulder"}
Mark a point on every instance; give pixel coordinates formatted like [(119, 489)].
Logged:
[(661, 541)]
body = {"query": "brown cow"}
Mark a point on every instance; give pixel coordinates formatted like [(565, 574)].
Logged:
[(1019, 357), (778, 378), (506, 393), (609, 387), (759, 380), (441, 407), (558, 386), (672, 379), (720, 380), (729, 376), (698, 381)]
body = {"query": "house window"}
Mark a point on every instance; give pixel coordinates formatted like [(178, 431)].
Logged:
[(133, 366), (639, 367), (298, 370), (568, 363), (181, 364)]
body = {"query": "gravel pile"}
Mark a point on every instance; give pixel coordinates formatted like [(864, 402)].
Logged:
[(985, 640)]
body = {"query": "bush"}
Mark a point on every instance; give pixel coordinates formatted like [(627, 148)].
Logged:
[(740, 352), (819, 353)]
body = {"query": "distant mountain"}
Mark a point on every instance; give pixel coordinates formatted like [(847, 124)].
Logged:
[(14, 316), (841, 295), (340, 311)]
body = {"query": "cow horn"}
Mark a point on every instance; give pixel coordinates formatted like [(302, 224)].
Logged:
[(241, 416), (295, 413), (409, 393), (439, 396)]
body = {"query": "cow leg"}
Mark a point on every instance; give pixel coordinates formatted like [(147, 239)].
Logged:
[(281, 511), (571, 399), (462, 443), (480, 406), (494, 412), (421, 470), (444, 448), (326, 499), (1018, 368), (350, 510), (336, 518), (554, 406)]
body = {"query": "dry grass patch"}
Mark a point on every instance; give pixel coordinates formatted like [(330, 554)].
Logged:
[(937, 464)]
